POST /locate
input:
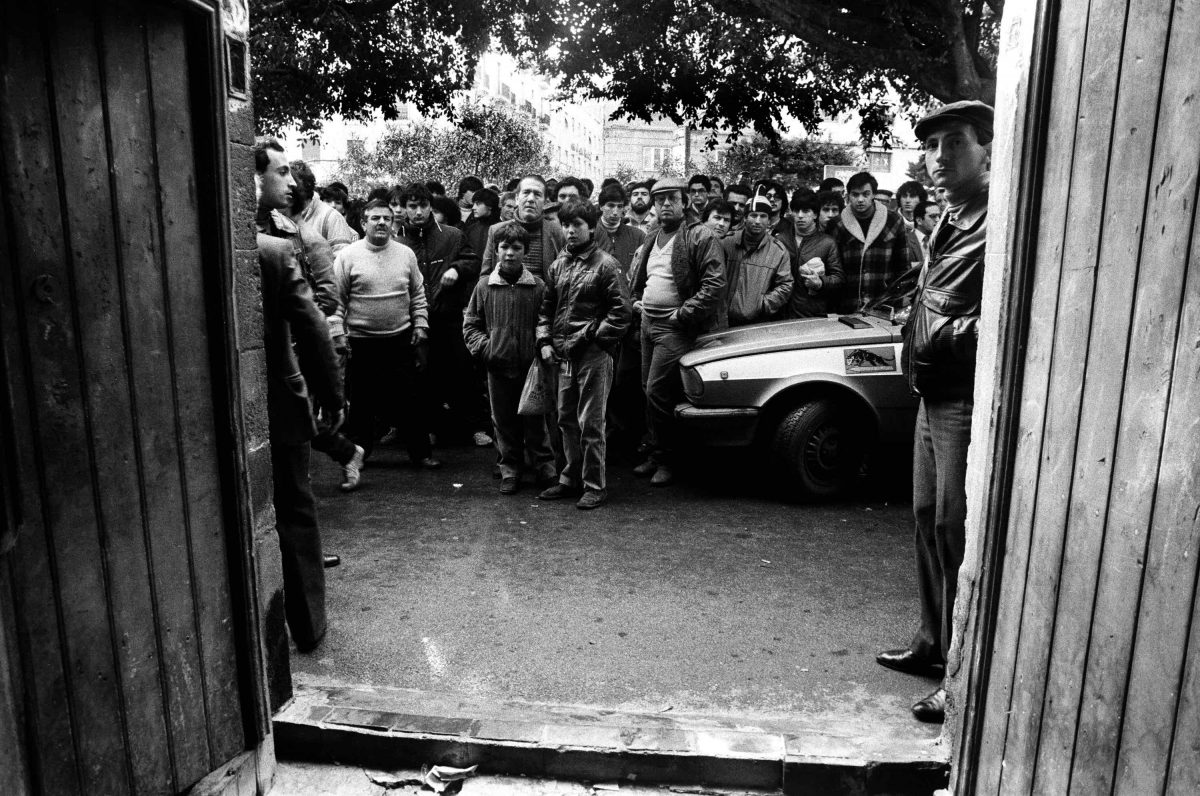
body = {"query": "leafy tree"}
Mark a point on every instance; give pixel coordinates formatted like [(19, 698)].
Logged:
[(916, 171), (490, 141), (716, 64), (792, 162)]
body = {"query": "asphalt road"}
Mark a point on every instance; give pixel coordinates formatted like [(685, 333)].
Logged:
[(711, 596)]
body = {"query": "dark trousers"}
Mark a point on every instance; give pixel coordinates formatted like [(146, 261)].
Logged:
[(583, 386), (384, 385), (299, 544), (940, 509), (519, 440), (457, 404), (627, 402), (663, 344)]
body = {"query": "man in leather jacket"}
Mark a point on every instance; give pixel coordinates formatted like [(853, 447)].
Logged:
[(939, 362)]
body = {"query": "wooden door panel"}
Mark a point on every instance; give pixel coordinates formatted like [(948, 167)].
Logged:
[(123, 607)]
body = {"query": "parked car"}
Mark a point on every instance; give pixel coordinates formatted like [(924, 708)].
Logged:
[(815, 395)]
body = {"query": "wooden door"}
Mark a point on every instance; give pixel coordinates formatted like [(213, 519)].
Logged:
[(1085, 675), (121, 575)]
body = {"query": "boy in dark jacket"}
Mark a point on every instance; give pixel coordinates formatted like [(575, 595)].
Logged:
[(499, 327), (584, 315)]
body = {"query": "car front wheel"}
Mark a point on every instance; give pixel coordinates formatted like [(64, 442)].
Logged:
[(817, 450)]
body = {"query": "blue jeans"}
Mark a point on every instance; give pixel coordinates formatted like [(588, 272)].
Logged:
[(583, 385), (519, 440), (940, 509), (663, 344)]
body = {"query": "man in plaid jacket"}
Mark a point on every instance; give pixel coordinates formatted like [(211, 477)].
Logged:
[(873, 242)]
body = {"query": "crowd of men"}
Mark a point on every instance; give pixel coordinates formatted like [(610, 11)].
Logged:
[(427, 319)]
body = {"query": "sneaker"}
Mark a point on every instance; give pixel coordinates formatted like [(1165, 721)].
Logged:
[(429, 463), (645, 468), (482, 440), (352, 470), (510, 485), (662, 476), (558, 492), (592, 499)]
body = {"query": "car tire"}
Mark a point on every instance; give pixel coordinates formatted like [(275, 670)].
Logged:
[(817, 450)]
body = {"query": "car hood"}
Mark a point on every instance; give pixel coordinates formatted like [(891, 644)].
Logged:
[(763, 338)]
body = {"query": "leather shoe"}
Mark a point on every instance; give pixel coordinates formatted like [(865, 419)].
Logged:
[(510, 485), (332, 561), (662, 476), (932, 708), (592, 499), (545, 483), (909, 662), (644, 469), (558, 492)]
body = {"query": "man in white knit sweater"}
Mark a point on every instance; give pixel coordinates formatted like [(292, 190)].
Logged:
[(383, 306)]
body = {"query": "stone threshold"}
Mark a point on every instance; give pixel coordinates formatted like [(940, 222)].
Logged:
[(392, 728)]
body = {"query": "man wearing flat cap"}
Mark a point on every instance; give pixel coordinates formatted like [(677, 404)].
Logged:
[(677, 279), (939, 363)]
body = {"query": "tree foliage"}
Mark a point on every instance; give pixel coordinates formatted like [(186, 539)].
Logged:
[(792, 162), (716, 64), (491, 142)]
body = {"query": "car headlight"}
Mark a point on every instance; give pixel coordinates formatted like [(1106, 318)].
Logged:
[(693, 385)]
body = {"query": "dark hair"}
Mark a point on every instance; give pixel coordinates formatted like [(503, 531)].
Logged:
[(451, 212), (863, 178), (700, 178), (583, 210), (332, 193), (591, 186), (512, 232), (538, 177), (804, 199), (306, 181), (609, 181), (413, 190), (633, 186), (380, 192), (922, 206), (374, 203), (435, 188), (261, 145), (770, 185), (912, 188), (613, 192), (491, 199), (512, 184), (718, 181), (650, 184), (340, 186), (831, 198), (740, 188), (471, 184), (575, 182), (719, 206), (829, 183)]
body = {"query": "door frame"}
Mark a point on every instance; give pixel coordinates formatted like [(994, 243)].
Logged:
[(1023, 93), (208, 88)]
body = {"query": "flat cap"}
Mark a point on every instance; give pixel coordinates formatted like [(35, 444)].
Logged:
[(670, 184), (972, 112)]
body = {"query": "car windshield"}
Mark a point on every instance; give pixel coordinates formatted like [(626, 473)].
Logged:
[(894, 304)]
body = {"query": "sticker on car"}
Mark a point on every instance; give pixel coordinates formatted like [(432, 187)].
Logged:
[(878, 359)]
